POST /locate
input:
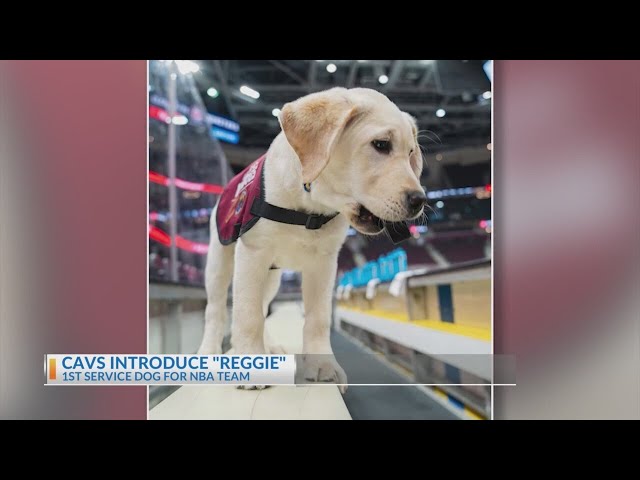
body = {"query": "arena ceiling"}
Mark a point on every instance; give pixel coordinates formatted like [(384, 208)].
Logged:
[(420, 87)]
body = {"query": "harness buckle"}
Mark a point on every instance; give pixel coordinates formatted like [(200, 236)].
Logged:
[(314, 222)]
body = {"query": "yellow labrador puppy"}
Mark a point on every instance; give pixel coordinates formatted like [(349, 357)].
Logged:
[(344, 157)]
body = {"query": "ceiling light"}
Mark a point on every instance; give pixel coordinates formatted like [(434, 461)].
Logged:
[(439, 157), (275, 112), (488, 69), (439, 204), (249, 92), (180, 120), (187, 66), (426, 62), (331, 68), (486, 95), (213, 93), (440, 113), (383, 79)]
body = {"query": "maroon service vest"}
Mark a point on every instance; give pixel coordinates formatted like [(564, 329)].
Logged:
[(234, 216)]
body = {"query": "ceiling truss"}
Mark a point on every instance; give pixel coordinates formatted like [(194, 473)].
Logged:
[(419, 87)]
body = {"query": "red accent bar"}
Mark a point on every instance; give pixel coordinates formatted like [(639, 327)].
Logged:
[(190, 246), (160, 179), (157, 178), (158, 113), (159, 236), (162, 237)]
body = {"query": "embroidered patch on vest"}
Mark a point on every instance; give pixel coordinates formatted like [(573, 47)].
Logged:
[(233, 217)]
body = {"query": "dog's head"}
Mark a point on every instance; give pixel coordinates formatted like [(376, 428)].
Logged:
[(361, 153)]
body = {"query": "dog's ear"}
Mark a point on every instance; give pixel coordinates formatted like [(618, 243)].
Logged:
[(413, 123), (313, 124), (416, 155)]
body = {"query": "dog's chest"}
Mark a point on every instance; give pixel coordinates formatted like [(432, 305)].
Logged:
[(293, 246)]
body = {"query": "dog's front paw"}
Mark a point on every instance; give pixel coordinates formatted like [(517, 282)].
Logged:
[(252, 387), (209, 350), (324, 368)]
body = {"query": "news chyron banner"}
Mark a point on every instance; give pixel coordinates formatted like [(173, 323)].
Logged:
[(65, 369)]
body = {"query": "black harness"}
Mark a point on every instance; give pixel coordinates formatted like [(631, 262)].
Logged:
[(261, 208), (397, 232)]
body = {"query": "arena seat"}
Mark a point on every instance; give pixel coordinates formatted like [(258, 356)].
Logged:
[(461, 248), (417, 255), (345, 259)]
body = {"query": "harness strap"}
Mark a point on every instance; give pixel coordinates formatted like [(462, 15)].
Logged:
[(260, 208)]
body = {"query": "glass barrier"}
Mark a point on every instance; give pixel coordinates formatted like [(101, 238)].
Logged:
[(182, 145)]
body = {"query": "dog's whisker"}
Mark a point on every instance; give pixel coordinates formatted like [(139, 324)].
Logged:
[(432, 132), (423, 151), (430, 138)]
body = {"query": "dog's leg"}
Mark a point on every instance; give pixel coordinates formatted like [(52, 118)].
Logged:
[(218, 274), (317, 293), (270, 291), (249, 286)]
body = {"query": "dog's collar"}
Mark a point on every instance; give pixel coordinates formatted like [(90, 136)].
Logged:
[(260, 208)]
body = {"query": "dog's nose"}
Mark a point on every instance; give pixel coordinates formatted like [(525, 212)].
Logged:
[(416, 200)]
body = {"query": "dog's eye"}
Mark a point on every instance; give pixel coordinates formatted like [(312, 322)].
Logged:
[(383, 146)]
